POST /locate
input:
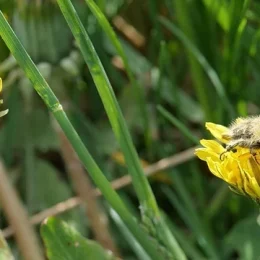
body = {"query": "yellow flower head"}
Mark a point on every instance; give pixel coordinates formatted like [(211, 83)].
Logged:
[(2, 113), (239, 168)]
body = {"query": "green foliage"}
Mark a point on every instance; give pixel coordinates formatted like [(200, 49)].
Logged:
[(51, 101), (148, 204), (63, 242), (199, 61), (243, 238), (5, 252)]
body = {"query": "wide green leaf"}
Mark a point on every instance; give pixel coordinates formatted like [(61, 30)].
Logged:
[(244, 239), (63, 242)]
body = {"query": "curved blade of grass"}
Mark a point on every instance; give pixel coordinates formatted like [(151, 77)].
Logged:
[(189, 246), (149, 209), (113, 38), (51, 101), (212, 74), (217, 201), (131, 241), (114, 113), (189, 214), (184, 129), (186, 22)]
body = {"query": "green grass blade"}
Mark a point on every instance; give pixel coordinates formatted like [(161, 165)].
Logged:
[(189, 246), (114, 113), (53, 104), (156, 35), (212, 74), (150, 211), (217, 201), (186, 208), (182, 13), (131, 241), (184, 129), (116, 43), (192, 223)]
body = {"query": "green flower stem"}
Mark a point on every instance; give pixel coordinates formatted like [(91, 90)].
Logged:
[(141, 185), (55, 107)]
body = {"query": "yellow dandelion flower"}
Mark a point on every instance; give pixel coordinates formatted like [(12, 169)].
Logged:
[(2, 113), (239, 168)]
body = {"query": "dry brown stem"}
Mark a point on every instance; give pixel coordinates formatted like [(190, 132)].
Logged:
[(84, 189), (61, 207), (19, 220)]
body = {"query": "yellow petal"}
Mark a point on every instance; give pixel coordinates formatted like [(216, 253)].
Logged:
[(204, 154), (240, 169), (213, 146), (251, 187), (213, 167), (256, 187), (234, 178), (253, 168), (1, 86), (217, 131)]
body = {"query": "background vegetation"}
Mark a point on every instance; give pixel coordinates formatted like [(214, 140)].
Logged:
[(173, 66)]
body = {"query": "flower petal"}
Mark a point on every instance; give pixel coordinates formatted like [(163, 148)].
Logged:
[(213, 146), (204, 154), (240, 168), (217, 131), (213, 167)]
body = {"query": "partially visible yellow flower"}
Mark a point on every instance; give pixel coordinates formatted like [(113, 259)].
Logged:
[(4, 112), (239, 168)]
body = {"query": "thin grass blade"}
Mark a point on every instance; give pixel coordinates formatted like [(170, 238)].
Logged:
[(51, 101), (150, 211), (212, 74), (104, 23)]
